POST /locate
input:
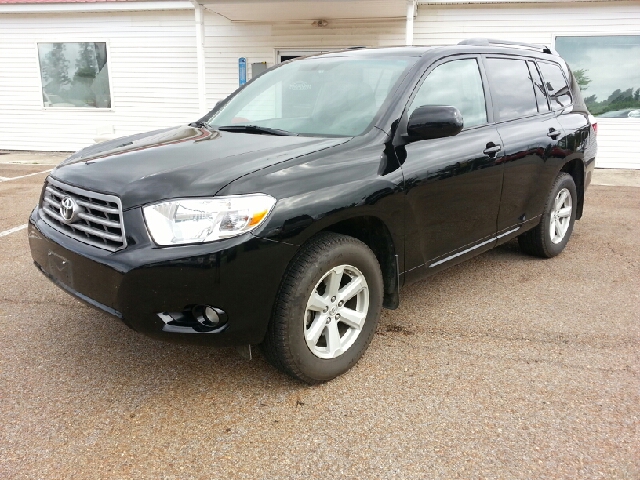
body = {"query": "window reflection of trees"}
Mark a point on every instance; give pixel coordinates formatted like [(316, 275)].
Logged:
[(607, 69), (86, 84), (623, 103)]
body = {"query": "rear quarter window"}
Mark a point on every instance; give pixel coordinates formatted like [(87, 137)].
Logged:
[(538, 87), (556, 85)]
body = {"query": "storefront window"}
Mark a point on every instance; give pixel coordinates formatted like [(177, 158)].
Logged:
[(607, 69), (74, 74)]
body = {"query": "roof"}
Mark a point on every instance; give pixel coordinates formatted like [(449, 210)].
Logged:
[(64, 6), (381, 52)]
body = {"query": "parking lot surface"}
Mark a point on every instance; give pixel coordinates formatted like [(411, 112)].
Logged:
[(506, 366)]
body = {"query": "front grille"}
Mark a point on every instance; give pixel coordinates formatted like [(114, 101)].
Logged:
[(96, 218)]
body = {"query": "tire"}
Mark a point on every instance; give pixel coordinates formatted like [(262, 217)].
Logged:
[(541, 241), (299, 341)]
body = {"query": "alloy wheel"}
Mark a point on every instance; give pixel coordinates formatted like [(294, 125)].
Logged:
[(560, 217), (336, 311)]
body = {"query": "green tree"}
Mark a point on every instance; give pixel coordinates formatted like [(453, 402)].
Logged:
[(582, 79), (614, 96), (55, 67), (86, 61)]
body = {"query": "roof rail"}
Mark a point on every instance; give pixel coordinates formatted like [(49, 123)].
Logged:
[(506, 43)]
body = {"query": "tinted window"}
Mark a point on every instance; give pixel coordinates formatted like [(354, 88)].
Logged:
[(456, 83), (514, 94), (607, 68), (556, 85), (538, 88)]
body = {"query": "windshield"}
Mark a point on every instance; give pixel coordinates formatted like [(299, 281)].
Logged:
[(332, 96)]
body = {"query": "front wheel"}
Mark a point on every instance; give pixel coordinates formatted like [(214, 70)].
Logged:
[(551, 235), (327, 309)]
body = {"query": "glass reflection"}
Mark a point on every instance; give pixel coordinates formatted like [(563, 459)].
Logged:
[(74, 74), (607, 68)]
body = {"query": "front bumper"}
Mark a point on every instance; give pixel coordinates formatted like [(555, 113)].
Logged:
[(143, 282)]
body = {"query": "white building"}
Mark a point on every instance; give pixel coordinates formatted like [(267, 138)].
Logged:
[(73, 71)]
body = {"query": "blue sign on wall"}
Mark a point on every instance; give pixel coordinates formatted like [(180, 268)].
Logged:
[(242, 70)]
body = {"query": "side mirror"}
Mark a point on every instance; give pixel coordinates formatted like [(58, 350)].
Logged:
[(434, 121)]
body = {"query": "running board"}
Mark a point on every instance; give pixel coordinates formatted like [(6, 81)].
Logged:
[(476, 246)]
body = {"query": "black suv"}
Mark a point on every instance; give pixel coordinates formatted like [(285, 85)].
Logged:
[(300, 205)]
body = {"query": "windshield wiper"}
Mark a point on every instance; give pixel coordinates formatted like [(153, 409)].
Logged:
[(255, 129)]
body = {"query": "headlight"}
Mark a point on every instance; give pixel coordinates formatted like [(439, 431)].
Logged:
[(197, 220)]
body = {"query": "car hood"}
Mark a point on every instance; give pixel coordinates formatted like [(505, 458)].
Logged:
[(183, 161)]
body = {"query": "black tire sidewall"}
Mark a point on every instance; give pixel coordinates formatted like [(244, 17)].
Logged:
[(564, 181), (356, 255)]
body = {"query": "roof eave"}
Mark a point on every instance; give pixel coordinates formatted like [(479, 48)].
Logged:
[(83, 7)]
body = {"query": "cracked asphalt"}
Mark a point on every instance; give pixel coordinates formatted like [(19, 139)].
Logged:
[(506, 366)]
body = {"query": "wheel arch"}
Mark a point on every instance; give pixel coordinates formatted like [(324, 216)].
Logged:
[(576, 168), (374, 233)]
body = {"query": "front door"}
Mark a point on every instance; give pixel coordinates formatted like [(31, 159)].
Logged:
[(453, 184)]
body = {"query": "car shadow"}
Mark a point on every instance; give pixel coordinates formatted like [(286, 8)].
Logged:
[(96, 345)]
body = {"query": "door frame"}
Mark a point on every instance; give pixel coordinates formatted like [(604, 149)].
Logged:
[(301, 52)]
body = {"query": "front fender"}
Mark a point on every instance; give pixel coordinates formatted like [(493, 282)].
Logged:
[(319, 190)]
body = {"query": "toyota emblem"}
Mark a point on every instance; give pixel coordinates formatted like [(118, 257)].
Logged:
[(68, 209)]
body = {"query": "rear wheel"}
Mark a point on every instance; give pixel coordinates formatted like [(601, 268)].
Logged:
[(327, 309), (551, 235)]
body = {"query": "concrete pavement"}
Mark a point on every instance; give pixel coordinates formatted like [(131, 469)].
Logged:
[(506, 366)]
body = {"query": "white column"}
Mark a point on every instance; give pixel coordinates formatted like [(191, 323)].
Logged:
[(202, 84), (411, 9)]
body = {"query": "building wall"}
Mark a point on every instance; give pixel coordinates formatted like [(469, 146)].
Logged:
[(152, 68), (618, 139)]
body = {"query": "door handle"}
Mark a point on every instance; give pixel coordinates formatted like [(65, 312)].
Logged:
[(553, 133), (492, 149)]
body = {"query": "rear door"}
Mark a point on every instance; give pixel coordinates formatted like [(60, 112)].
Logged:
[(453, 184), (530, 133), (571, 112)]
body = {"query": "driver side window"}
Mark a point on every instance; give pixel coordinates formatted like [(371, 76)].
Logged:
[(457, 83)]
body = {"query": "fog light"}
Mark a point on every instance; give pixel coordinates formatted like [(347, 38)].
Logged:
[(208, 316), (211, 315), (195, 319)]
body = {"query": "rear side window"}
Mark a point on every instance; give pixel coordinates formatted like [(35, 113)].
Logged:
[(457, 83), (556, 84), (538, 87), (512, 86)]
